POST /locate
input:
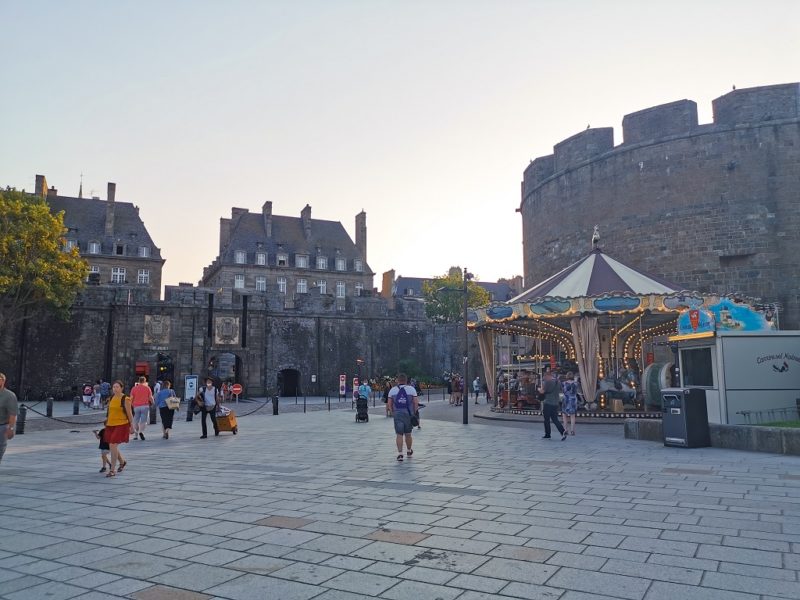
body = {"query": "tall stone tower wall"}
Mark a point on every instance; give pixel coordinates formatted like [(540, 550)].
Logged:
[(714, 207)]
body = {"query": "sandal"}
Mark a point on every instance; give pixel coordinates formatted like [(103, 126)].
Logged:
[(399, 458), (122, 466), (111, 474), (410, 452)]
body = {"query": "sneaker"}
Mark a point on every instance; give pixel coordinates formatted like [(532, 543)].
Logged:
[(564, 435), (103, 470), (545, 437), (141, 436), (202, 437), (166, 434)]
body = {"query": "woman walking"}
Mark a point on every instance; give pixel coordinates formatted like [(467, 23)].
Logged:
[(570, 403), (164, 410), (119, 427), (142, 398)]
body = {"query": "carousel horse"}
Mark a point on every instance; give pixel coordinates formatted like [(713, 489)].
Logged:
[(615, 388)]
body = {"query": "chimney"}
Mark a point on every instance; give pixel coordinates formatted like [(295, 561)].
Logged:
[(41, 186), (266, 211), (52, 192), (224, 234), (110, 208), (361, 234), (305, 216)]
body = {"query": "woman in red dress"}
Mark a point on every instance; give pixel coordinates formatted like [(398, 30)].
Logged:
[(119, 426)]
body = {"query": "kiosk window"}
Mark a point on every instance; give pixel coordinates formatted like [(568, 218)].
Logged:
[(696, 363)]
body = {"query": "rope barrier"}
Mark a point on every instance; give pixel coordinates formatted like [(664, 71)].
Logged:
[(63, 421)]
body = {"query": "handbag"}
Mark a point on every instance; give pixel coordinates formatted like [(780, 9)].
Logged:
[(173, 403)]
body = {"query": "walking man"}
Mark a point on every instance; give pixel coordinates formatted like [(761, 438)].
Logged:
[(550, 406), (209, 402), (403, 403), (476, 387), (8, 415)]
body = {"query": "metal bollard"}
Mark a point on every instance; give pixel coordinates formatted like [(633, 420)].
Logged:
[(189, 410), (49, 406), (23, 413), (329, 406), (275, 405), (76, 405), (152, 414), (304, 404)]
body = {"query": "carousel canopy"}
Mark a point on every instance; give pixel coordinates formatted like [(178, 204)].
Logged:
[(597, 274)]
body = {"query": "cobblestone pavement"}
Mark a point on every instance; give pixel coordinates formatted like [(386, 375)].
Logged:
[(316, 506)]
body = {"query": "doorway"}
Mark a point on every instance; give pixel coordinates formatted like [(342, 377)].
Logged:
[(289, 382)]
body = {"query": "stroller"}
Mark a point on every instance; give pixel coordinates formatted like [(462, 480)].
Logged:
[(362, 410)]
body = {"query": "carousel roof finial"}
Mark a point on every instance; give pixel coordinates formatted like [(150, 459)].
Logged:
[(595, 237)]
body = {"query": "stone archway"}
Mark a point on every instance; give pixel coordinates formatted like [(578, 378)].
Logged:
[(289, 382)]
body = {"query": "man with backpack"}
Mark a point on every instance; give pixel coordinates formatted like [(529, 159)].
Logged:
[(403, 404)]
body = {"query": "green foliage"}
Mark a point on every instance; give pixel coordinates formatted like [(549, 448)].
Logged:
[(444, 296), (36, 274)]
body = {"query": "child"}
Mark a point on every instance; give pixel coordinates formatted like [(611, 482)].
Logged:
[(104, 450)]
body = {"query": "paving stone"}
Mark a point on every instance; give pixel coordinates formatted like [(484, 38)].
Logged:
[(307, 573), (659, 546), (397, 537), (522, 553), (97, 596), (287, 537), (21, 583), (458, 544), (123, 586), (52, 590), (217, 556), (478, 584), (418, 589), (740, 555), (577, 561), (754, 585), (653, 571), (385, 568), (757, 571), (702, 564), (196, 577), (161, 592), (661, 590), (351, 581), (20, 542), (259, 587), (340, 595), (427, 575), (348, 562), (285, 522), (335, 544), (531, 592), (620, 586), (516, 570)]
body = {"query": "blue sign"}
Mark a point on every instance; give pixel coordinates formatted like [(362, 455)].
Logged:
[(731, 316), (695, 321)]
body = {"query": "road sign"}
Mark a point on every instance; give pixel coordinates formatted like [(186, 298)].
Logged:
[(190, 387), (342, 385), (236, 389)]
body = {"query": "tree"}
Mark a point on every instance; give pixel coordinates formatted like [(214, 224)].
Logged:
[(37, 274), (444, 299)]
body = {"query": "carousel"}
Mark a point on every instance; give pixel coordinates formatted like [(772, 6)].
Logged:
[(603, 320)]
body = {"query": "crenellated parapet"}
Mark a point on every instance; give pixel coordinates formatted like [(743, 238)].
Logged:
[(758, 104), (675, 118)]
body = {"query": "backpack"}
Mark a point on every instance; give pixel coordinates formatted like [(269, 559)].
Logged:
[(401, 400)]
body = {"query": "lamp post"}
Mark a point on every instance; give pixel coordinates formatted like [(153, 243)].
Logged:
[(465, 387)]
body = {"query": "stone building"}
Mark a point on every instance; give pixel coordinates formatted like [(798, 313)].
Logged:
[(714, 207), (262, 253), (111, 236)]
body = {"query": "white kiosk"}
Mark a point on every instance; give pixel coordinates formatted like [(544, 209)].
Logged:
[(751, 373)]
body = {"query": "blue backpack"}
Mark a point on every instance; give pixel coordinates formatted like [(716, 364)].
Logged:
[(401, 401)]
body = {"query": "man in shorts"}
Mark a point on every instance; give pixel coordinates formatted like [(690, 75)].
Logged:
[(8, 414), (403, 404)]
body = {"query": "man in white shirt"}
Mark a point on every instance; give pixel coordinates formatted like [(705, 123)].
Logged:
[(210, 399), (403, 404)]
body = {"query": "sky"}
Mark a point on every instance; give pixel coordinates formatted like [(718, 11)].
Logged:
[(422, 113)]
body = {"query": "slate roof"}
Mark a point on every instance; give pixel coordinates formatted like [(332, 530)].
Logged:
[(500, 292), (288, 236), (87, 218)]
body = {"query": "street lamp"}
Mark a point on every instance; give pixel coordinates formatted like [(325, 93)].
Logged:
[(465, 388)]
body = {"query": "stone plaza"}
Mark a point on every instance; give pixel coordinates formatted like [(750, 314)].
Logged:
[(301, 506)]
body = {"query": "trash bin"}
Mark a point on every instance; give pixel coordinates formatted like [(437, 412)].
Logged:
[(685, 417)]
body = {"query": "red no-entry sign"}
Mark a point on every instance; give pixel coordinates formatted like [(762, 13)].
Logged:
[(236, 389)]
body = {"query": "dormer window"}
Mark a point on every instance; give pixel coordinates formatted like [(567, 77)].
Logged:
[(261, 258), (94, 247), (358, 265), (341, 264), (322, 262), (301, 261), (70, 244), (144, 251), (240, 257), (282, 260), (119, 249)]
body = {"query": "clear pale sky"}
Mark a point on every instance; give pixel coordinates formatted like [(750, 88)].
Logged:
[(423, 113)]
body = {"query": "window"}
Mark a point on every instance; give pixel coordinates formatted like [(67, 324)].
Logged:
[(143, 276), (261, 284), (238, 282), (302, 286), (94, 247), (282, 260), (119, 249), (323, 286), (358, 265), (359, 291), (408, 292), (301, 261), (261, 258), (340, 289), (240, 258), (322, 262), (94, 274), (341, 264), (144, 251), (282, 285), (117, 274), (94, 269), (696, 364), (70, 244)]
